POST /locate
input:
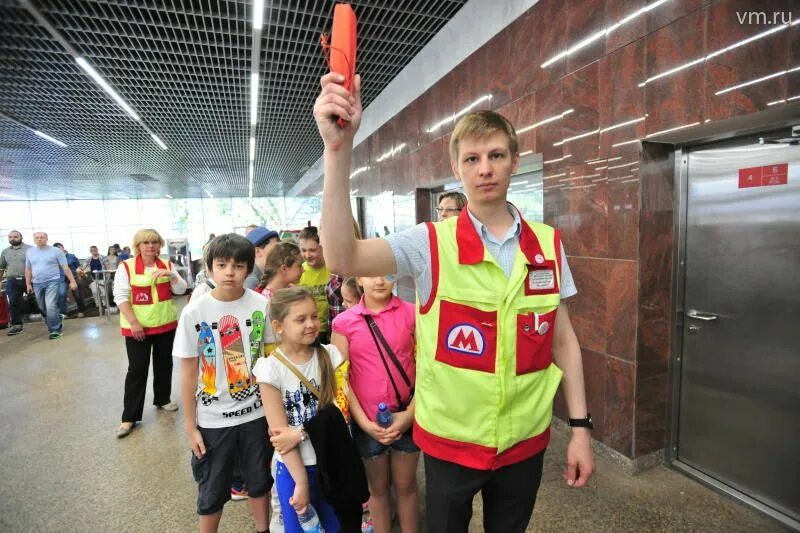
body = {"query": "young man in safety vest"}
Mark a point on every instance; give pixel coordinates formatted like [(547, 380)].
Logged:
[(492, 338)]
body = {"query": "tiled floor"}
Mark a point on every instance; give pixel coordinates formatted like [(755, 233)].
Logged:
[(62, 469)]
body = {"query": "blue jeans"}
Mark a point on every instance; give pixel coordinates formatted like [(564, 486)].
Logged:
[(47, 298), (63, 289), (15, 287), (284, 484)]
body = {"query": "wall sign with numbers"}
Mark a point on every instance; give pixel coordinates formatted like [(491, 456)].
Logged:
[(765, 176)]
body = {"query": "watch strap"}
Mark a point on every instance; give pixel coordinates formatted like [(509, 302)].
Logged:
[(581, 422)]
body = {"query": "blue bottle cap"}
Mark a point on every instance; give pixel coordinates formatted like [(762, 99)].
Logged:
[(381, 406)]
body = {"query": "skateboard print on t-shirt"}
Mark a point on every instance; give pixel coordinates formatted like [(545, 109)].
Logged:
[(258, 323), (207, 355), (236, 369)]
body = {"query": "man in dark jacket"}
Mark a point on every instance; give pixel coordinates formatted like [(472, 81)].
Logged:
[(74, 264)]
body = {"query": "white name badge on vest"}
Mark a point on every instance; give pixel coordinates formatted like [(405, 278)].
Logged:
[(541, 278)]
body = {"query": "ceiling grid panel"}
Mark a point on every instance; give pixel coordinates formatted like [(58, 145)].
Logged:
[(184, 67)]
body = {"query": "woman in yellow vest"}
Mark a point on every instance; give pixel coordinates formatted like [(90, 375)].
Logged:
[(143, 289)]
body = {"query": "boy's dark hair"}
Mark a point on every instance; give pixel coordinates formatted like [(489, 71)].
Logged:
[(309, 232), (231, 246)]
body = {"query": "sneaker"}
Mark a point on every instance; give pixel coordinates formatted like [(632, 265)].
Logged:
[(81, 315), (14, 330), (239, 493), (55, 335), (171, 407)]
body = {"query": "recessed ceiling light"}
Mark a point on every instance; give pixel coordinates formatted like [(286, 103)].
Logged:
[(51, 139)]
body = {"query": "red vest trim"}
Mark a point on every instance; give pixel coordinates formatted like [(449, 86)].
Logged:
[(477, 456)]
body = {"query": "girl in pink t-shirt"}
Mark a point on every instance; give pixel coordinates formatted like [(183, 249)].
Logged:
[(377, 335)]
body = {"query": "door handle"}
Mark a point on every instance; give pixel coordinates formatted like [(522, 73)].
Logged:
[(699, 315)]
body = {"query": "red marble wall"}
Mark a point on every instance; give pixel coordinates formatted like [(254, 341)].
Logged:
[(613, 203)]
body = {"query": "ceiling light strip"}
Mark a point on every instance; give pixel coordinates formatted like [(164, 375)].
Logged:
[(545, 121), (158, 141), (783, 101), (623, 143), (51, 139), (255, 67), (83, 63), (602, 33), (676, 128), (358, 171), (456, 115), (757, 80), (719, 52), (89, 69)]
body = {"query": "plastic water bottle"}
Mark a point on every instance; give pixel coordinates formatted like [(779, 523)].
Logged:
[(384, 416), (309, 521)]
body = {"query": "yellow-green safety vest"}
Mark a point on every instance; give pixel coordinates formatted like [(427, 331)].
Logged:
[(316, 279), (150, 299), (485, 376)]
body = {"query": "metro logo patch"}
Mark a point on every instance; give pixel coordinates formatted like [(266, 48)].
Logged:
[(466, 338)]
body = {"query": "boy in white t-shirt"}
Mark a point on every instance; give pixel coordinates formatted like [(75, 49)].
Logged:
[(218, 336)]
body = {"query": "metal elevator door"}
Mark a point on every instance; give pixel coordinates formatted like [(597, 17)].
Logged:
[(739, 412)]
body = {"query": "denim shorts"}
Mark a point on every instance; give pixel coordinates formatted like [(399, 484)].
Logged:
[(369, 447)]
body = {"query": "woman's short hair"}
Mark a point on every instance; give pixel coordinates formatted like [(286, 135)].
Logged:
[(146, 235), (458, 197)]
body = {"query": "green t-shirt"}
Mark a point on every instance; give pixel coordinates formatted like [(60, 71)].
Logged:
[(316, 279)]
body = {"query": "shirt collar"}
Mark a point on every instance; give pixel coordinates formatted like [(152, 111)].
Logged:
[(513, 231), (361, 307), (471, 234)]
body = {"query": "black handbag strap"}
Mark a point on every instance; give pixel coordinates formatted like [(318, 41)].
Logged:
[(381, 344)]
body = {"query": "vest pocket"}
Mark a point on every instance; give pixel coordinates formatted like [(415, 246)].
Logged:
[(535, 341), (141, 295), (467, 337), (164, 291)]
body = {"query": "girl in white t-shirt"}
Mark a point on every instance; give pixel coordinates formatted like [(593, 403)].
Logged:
[(289, 403)]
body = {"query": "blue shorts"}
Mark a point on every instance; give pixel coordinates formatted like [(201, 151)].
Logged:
[(284, 484), (369, 447)]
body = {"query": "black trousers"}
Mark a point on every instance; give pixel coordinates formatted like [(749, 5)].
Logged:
[(136, 379), (509, 494)]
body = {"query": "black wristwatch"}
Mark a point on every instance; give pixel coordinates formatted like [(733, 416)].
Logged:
[(581, 422)]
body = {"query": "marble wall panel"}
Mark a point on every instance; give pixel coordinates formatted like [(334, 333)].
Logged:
[(537, 36), (497, 78), (622, 304), (651, 414), (595, 375), (549, 104), (623, 212), (580, 92), (617, 10), (585, 18), (620, 404), (758, 59), (678, 99), (588, 308)]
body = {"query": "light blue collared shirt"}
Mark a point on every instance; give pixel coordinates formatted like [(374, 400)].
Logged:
[(411, 248)]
